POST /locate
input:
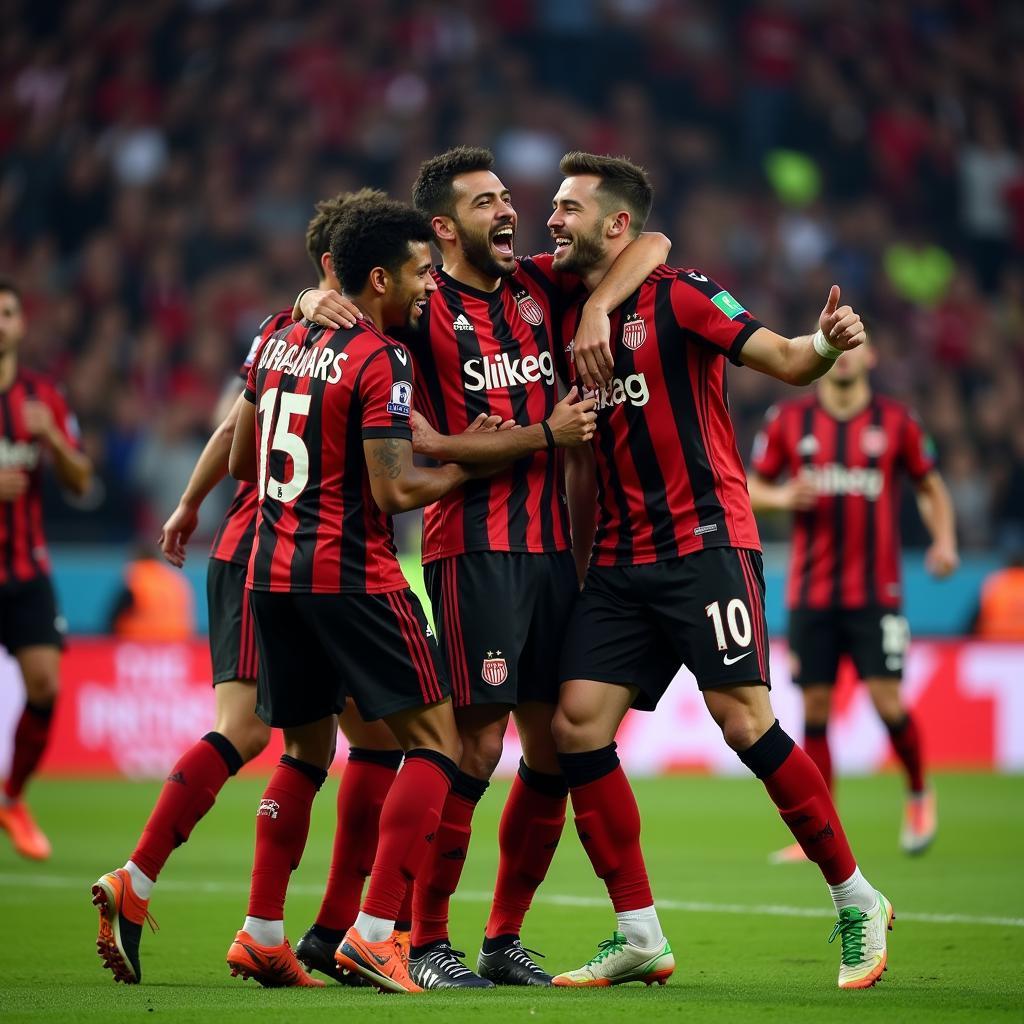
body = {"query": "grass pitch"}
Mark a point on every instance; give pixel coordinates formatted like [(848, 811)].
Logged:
[(749, 938)]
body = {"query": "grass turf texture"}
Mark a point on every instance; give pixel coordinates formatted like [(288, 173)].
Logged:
[(707, 842)]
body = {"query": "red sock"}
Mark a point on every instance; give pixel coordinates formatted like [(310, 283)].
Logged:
[(608, 823), (408, 825), (188, 793), (803, 800), (528, 835), (906, 741), (282, 824), (364, 785), (443, 868), (30, 737), (816, 745)]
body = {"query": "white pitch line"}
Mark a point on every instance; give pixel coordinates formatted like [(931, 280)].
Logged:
[(13, 880)]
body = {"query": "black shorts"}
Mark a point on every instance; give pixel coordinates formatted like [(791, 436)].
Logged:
[(501, 617), (635, 625), (315, 650), (232, 636), (875, 638), (29, 615)]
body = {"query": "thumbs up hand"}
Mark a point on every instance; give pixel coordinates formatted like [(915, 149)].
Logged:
[(841, 326)]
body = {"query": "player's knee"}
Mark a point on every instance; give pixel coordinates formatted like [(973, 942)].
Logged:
[(817, 704), (41, 688), (741, 730), (481, 752), (431, 732), (574, 732), (251, 742), (248, 734)]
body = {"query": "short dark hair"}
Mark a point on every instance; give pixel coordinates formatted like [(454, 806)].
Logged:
[(328, 213), (7, 284), (374, 232), (622, 183), (432, 191)]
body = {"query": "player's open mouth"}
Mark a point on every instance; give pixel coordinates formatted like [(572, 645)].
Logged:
[(502, 240), (562, 243)]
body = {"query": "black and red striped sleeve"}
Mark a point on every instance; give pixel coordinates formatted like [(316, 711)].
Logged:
[(274, 322), (770, 452), (385, 391), (710, 315), (917, 451)]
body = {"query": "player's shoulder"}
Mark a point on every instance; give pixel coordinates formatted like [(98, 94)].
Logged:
[(543, 261), (38, 382), (367, 341), (894, 405), (275, 322), (790, 407)]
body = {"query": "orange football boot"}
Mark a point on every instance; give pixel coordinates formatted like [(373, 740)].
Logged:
[(26, 836), (122, 914), (271, 966), (384, 964)]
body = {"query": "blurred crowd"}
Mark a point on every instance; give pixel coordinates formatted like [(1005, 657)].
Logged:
[(159, 162)]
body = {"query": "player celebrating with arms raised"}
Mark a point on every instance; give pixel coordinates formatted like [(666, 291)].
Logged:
[(675, 576), (843, 450), (35, 427)]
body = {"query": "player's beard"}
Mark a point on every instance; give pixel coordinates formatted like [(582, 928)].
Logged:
[(586, 252), (477, 248)]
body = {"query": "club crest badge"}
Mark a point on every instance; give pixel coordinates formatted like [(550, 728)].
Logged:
[(495, 669), (873, 442), (268, 808), (529, 309), (808, 445), (634, 331)]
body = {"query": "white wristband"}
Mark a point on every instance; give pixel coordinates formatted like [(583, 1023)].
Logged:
[(824, 348)]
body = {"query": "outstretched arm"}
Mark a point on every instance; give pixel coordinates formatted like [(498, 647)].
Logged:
[(398, 484), (804, 359), (570, 423)]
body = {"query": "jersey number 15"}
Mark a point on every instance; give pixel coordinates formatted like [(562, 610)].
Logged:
[(284, 441)]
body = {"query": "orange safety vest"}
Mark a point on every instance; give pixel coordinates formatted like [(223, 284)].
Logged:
[(163, 606), (1001, 616)]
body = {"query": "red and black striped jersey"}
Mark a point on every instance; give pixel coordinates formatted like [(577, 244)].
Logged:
[(23, 554), (319, 394), (495, 353), (233, 540), (669, 474), (846, 549)]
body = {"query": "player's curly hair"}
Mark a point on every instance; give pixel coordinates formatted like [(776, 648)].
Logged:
[(374, 232), (328, 213), (433, 192), (623, 184)]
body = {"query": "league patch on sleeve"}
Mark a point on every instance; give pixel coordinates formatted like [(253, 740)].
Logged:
[(727, 304), (401, 398)]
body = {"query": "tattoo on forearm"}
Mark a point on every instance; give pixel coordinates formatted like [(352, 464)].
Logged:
[(388, 455)]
